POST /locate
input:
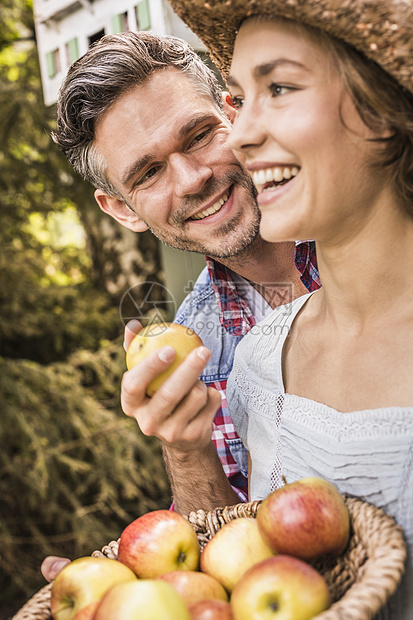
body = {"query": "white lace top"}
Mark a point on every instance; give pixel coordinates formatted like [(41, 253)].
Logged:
[(368, 454)]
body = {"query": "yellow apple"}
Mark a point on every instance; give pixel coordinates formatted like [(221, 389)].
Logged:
[(307, 519), (159, 542), (280, 588), (194, 586), (236, 547), (82, 583), (146, 599), (158, 335)]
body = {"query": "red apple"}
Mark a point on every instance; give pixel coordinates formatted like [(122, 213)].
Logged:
[(159, 542), (194, 586), (307, 519), (147, 599), (236, 547), (81, 584), (281, 587), (212, 609), (157, 335)]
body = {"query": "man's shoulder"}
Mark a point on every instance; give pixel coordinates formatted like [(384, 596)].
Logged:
[(201, 312), (197, 300)]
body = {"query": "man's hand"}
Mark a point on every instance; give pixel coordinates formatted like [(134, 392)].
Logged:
[(52, 565), (180, 414), (181, 411), (131, 329)]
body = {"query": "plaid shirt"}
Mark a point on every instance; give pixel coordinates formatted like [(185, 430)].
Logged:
[(237, 319)]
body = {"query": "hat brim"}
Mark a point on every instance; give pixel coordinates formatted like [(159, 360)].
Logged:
[(381, 29)]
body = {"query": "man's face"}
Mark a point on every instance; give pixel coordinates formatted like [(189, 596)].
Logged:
[(166, 151)]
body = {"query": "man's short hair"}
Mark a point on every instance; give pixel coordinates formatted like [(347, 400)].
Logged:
[(110, 68)]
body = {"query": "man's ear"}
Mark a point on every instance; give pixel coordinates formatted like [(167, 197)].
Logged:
[(117, 209), (229, 108)]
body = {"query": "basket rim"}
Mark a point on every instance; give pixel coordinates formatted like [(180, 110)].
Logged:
[(380, 575)]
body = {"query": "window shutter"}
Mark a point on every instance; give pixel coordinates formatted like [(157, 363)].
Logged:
[(143, 15), (117, 24), (51, 64), (73, 50)]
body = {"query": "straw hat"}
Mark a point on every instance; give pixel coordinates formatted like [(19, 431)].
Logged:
[(381, 29)]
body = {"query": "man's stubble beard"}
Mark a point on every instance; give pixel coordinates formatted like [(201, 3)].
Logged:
[(231, 242)]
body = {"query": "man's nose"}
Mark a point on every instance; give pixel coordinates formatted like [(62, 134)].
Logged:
[(189, 174), (247, 131)]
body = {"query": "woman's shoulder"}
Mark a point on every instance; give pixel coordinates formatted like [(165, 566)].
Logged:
[(258, 355), (286, 313), (269, 334)]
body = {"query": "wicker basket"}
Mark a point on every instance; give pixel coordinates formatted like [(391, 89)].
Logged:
[(360, 580)]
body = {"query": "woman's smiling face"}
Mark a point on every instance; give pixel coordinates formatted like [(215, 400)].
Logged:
[(300, 136)]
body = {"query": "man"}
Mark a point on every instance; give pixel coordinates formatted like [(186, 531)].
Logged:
[(143, 119)]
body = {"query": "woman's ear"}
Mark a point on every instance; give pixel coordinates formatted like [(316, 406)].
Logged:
[(229, 108), (118, 209)]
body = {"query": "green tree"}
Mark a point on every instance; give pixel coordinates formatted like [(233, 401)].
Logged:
[(36, 180), (74, 469)]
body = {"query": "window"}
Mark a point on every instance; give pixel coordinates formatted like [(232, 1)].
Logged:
[(143, 17), (72, 51), (53, 63), (95, 37), (120, 23)]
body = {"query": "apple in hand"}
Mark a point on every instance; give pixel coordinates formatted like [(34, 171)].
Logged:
[(194, 586), (158, 335), (307, 519), (159, 542), (145, 599), (280, 587), (211, 609), (81, 584), (236, 547)]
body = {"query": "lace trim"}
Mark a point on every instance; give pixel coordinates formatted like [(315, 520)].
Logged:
[(390, 421), (251, 393)]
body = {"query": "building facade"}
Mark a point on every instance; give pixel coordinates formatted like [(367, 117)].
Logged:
[(66, 28)]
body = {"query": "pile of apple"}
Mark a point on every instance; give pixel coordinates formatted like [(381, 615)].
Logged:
[(252, 569)]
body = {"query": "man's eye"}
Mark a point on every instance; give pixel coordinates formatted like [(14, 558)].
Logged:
[(203, 136), (147, 176)]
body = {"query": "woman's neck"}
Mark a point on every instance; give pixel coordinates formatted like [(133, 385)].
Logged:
[(366, 275)]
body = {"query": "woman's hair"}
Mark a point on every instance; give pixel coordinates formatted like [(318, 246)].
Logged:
[(382, 104), (379, 100), (110, 68)]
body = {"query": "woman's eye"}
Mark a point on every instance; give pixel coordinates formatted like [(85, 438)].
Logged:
[(238, 102), (279, 89)]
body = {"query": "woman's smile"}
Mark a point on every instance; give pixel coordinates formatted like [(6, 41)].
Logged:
[(266, 179)]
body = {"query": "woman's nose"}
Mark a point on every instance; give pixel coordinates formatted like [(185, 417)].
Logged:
[(247, 130)]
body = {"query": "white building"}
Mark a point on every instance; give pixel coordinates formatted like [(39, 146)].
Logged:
[(66, 28)]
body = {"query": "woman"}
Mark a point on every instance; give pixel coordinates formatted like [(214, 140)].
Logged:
[(323, 386)]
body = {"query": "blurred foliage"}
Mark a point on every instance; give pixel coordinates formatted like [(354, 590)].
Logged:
[(14, 14), (41, 283), (74, 469)]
